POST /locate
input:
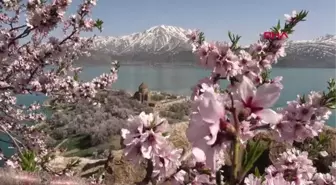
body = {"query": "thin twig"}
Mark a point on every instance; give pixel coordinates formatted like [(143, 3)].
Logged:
[(236, 144), (4, 130), (149, 172)]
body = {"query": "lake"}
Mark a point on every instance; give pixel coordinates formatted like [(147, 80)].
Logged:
[(179, 80)]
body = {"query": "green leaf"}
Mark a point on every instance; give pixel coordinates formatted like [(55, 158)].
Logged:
[(234, 40), (165, 134), (279, 25), (329, 98), (76, 77), (288, 28), (303, 99), (252, 153), (256, 172), (201, 38), (265, 75), (99, 24), (28, 162)]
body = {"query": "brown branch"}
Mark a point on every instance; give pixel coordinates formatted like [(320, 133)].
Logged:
[(4, 130), (16, 28), (149, 172)]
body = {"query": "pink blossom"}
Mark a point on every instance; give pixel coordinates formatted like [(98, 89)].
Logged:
[(294, 166), (292, 17), (166, 162), (257, 48), (178, 178), (333, 168), (252, 180), (302, 120), (201, 179), (192, 34), (257, 100), (144, 135), (207, 129), (323, 179), (197, 89), (208, 54), (89, 24), (228, 65), (278, 179)]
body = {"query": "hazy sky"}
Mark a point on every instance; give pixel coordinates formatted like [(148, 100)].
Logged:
[(215, 17)]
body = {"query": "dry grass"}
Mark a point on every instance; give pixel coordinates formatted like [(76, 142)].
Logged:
[(122, 172), (178, 135)]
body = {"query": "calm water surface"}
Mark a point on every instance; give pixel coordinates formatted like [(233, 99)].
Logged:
[(179, 80)]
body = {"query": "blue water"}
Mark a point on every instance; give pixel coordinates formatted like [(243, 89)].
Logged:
[(179, 80)]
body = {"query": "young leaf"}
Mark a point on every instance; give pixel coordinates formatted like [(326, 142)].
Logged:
[(279, 25), (256, 172), (99, 25), (234, 40), (28, 162), (252, 153)]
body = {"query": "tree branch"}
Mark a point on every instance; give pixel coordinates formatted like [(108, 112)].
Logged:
[(236, 144)]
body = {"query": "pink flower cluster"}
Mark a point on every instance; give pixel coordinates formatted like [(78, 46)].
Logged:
[(222, 121), (293, 168), (212, 126), (302, 118), (33, 62), (146, 138)]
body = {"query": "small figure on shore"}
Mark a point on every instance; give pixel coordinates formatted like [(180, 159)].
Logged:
[(143, 93)]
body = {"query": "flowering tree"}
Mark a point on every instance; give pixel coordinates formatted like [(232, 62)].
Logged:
[(223, 121), (33, 62)]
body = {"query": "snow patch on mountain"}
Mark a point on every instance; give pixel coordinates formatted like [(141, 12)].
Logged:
[(161, 43), (318, 48), (157, 39)]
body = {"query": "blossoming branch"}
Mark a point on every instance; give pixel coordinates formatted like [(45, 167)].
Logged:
[(223, 121)]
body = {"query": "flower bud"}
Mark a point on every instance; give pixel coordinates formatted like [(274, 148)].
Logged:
[(227, 127)]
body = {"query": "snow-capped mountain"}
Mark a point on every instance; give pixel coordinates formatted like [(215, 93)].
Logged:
[(319, 52), (169, 43), (158, 39)]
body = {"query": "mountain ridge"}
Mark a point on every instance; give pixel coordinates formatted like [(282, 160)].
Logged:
[(162, 44)]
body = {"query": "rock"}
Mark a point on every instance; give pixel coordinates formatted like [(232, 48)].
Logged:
[(84, 168), (151, 104)]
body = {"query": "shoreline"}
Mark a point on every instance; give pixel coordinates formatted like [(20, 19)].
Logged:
[(185, 65)]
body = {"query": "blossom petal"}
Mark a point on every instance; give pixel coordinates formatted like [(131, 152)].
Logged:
[(266, 95), (210, 108), (197, 128), (124, 133), (269, 116), (211, 112), (246, 89), (214, 128), (199, 154), (146, 150)]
